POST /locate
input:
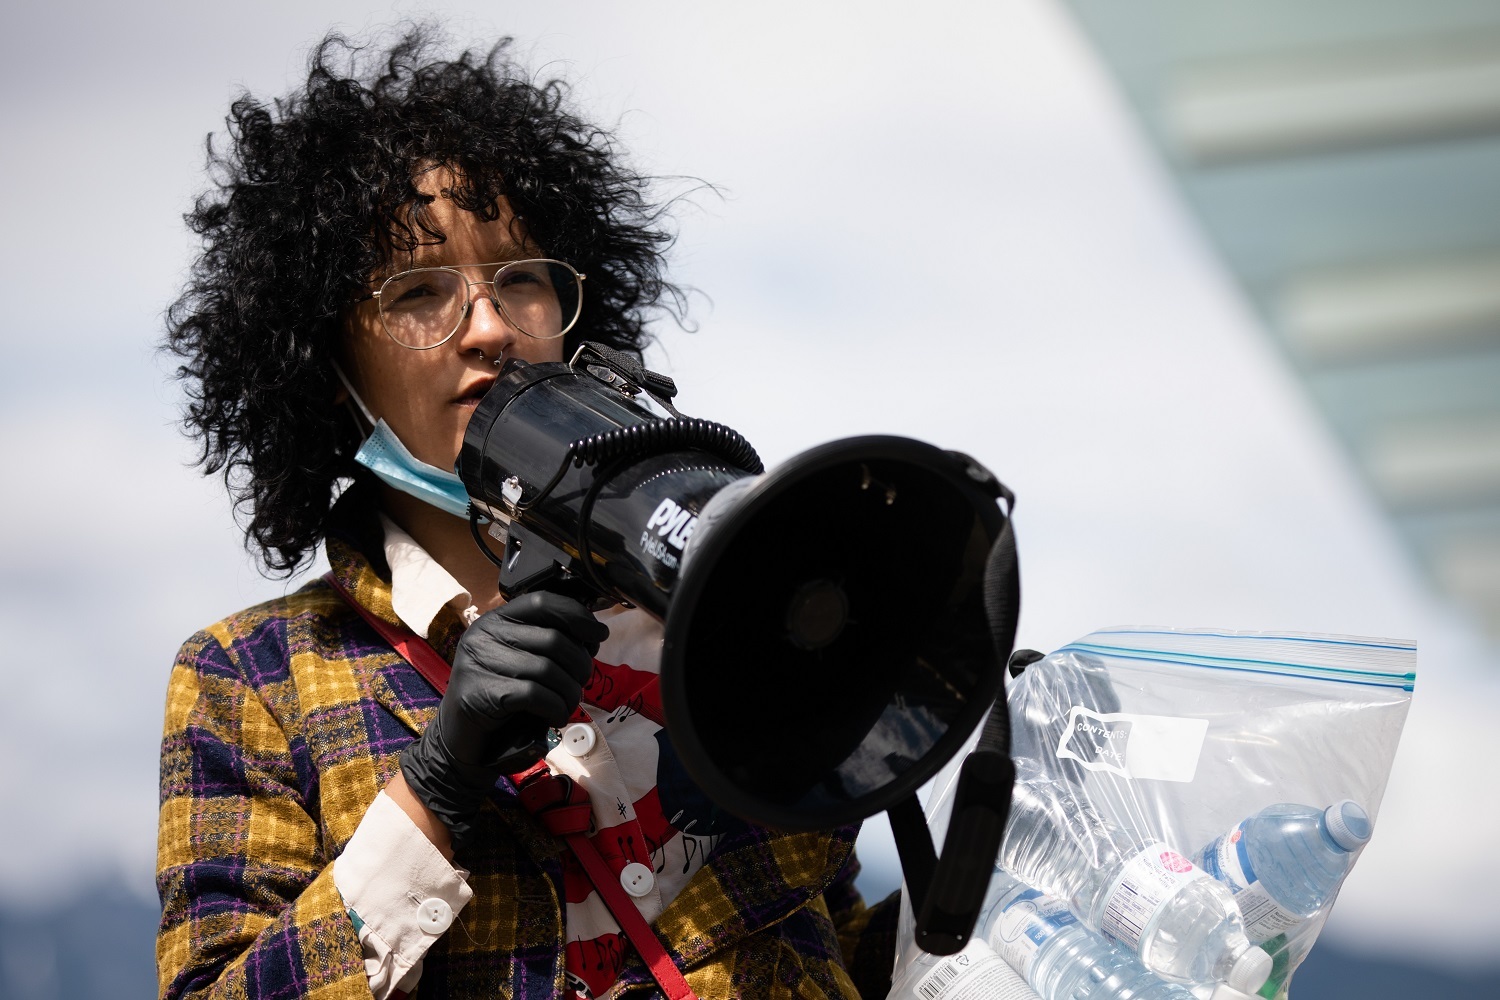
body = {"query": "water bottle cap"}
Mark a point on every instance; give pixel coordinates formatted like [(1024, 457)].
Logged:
[(1223, 991), (1347, 823), (1250, 971)]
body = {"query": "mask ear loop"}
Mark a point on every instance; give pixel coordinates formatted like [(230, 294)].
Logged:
[(360, 403)]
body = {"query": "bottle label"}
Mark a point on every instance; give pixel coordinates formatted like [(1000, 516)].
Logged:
[(1146, 882), (1025, 925), (1264, 919), (976, 973), (1228, 860)]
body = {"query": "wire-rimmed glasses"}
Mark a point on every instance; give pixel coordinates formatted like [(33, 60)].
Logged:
[(424, 307)]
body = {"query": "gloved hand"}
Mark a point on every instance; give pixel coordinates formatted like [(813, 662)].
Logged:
[(519, 669)]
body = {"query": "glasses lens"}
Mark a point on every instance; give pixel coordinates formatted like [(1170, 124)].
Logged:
[(422, 308), (541, 298)]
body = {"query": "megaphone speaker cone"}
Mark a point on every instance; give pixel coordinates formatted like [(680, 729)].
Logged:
[(826, 648), (816, 614)]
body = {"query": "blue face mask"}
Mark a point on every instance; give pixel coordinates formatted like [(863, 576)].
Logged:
[(384, 454)]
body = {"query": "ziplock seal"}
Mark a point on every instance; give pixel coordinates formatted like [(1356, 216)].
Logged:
[(1327, 658)]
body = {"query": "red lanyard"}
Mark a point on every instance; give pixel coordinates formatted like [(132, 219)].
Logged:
[(555, 801)]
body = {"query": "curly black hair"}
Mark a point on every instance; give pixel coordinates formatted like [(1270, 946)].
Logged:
[(317, 190)]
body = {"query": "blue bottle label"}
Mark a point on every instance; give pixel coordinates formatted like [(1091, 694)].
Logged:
[(1025, 925), (1228, 860)]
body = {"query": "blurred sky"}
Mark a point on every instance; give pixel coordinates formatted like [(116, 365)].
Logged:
[(934, 221)]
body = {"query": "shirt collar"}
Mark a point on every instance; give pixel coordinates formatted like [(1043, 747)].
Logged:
[(419, 586)]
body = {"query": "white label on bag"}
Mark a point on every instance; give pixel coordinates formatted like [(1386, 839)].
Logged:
[(1145, 884), (1227, 860), (1161, 747), (1025, 925), (976, 973)]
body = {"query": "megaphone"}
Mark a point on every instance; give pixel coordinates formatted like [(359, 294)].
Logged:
[(828, 642)]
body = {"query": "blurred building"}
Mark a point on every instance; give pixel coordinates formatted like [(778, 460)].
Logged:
[(1344, 159)]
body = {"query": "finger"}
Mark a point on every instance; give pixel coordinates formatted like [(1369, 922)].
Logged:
[(528, 668), (542, 607), (493, 649), (539, 702), (497, 698)]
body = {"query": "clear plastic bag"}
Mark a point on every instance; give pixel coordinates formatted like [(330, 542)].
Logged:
[(1166, 742)]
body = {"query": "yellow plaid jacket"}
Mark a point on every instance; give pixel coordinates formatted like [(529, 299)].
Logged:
[(283, 722)]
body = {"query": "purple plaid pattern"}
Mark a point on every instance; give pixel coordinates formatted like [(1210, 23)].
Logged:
[(282, 724)]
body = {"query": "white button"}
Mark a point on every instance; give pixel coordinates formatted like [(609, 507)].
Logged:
[(434, 916), (637, 879), (578, 739)]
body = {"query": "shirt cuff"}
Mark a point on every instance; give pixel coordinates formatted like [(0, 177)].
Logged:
[(401, 893)]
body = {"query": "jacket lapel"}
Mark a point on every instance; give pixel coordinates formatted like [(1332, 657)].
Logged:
[(392, 682)]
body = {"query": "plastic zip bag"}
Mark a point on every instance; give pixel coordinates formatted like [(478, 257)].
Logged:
[(1139, 751), (972, 973)]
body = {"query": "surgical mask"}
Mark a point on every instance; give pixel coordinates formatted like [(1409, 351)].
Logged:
[(383, 454)]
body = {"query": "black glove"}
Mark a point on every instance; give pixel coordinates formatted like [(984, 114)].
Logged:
[(519, 669)]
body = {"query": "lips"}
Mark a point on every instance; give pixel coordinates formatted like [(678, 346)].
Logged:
[(475, 392)]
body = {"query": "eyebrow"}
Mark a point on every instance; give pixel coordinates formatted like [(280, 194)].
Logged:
[(430, 255)]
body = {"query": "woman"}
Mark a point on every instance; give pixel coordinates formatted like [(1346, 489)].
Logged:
[(376, 245)]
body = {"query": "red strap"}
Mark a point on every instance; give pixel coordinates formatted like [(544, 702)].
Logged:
[(412, 647), (559, 803), (563, 807), (651, 950)]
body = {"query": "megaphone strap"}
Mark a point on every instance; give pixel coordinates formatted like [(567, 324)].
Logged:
[(628, 368), (560, 804), (412, 647)]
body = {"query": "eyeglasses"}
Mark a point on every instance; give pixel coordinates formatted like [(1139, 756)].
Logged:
[(424, 307)]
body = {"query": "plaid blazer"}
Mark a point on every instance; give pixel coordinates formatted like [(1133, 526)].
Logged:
[(282, 724)]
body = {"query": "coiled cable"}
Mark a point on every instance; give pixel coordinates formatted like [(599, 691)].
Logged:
[(652, 437)]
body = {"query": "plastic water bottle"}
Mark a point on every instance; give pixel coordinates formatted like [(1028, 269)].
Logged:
[(1062, 959), (1285, 862), (1180, 921)]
